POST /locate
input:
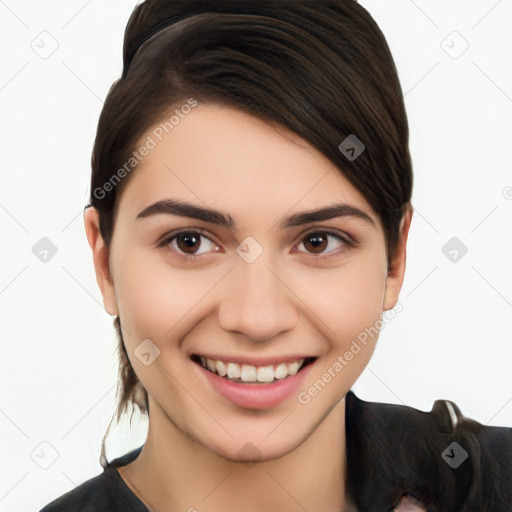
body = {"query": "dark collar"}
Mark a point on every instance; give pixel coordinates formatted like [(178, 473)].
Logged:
[(445, 460)]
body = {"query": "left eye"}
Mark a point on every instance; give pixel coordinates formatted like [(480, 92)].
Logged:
[(319, 240)]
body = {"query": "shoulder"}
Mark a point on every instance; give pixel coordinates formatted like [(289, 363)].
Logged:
[(441, 457), (104, 492)]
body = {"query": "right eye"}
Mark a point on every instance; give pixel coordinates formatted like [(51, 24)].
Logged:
[(186, 243)]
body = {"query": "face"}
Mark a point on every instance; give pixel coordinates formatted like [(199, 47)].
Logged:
[(257, 284)]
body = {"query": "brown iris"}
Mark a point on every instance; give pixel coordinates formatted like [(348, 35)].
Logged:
[(188, 242), (318, 241)]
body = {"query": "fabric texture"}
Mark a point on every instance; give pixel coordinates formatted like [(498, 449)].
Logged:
[(106, 492), (398, 458)]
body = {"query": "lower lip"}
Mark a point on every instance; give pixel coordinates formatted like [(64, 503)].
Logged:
[(256, 396)]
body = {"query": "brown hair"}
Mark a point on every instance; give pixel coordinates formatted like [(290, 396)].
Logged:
[(320, 68)]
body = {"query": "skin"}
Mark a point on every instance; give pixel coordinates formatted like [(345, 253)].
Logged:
[(285, 302)]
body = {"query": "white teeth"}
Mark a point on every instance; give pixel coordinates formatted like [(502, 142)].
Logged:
[(265, 374), (234, 371), (293, 368), (248, 373), (221, 368), (251, 373), (281, 371)]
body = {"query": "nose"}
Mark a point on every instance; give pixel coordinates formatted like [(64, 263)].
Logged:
[(256, 302)]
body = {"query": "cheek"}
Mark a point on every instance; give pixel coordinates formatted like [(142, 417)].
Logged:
[(153, 297), (361, 296), (349, 300), (154, 300), (350, 309)]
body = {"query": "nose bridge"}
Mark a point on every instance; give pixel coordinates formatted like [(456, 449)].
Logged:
[(255, 302)]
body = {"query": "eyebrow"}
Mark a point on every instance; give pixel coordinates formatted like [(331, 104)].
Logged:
[(186, 209)]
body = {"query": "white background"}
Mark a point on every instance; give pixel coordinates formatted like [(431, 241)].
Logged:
[(451, 340)]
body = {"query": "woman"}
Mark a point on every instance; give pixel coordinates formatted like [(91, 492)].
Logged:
[(250, 207)]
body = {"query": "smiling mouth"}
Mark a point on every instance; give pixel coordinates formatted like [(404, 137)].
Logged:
[(248, 373)]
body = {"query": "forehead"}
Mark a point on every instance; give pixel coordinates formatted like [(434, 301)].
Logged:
[(224, 157)]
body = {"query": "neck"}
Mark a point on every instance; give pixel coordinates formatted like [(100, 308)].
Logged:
[(175, 472)]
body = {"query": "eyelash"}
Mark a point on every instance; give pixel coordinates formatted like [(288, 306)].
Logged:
[(167, 240)]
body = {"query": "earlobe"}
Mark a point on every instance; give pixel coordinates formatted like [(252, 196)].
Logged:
[(100, 254), (396, 269)]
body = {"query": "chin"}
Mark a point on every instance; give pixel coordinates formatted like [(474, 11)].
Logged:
[(254, 449)]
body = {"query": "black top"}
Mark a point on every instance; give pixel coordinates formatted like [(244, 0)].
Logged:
[(446, 461)]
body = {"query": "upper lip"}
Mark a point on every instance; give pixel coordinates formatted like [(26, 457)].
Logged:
[(256, 361)]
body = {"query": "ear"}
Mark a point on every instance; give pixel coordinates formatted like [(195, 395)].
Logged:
[(100, 255), (396, 269)]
